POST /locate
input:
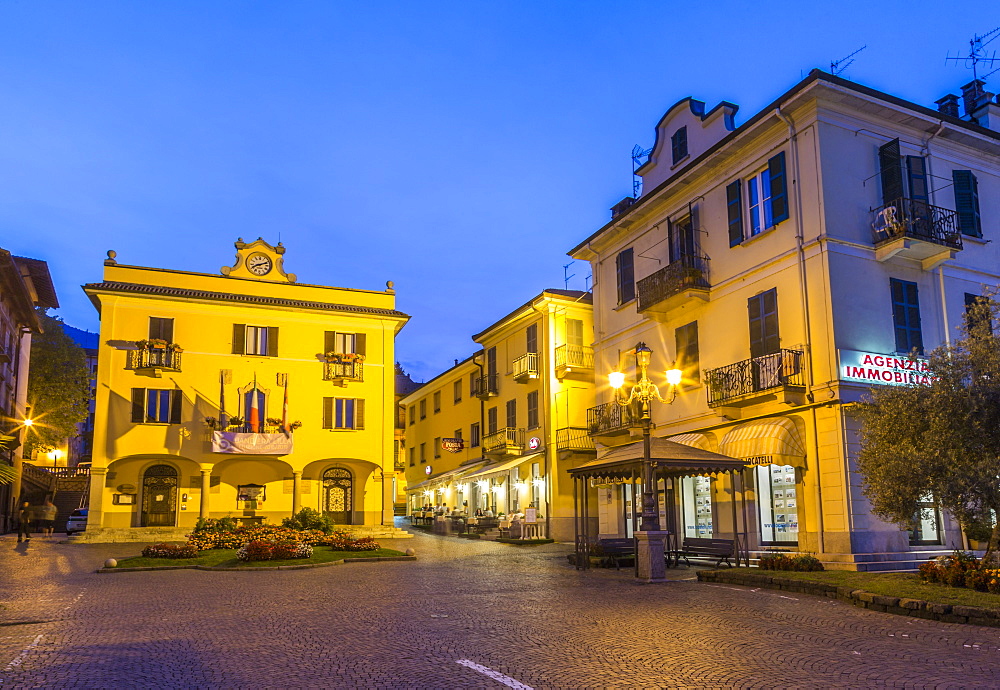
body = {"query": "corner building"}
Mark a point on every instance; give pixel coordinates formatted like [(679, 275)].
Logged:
[(241, 394), (788, 264)]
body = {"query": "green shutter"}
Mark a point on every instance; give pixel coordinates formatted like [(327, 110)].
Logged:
[(327, 413), (138, 405), (967, 202), (360, 343), (329, 341), (359, 414), (272, 341), (239, 338), (734, 206), (175, 406), (891, 172), (916, 170), (779, 188)]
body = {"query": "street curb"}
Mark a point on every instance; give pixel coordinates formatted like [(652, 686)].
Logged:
[(305, 566), (900, 606)]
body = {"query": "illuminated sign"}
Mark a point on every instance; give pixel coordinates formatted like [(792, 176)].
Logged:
[(428, 470), (453, 445), (534, 443), (889, 370)]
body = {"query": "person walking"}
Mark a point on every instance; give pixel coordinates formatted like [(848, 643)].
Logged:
[(47, 517), (25, 515)]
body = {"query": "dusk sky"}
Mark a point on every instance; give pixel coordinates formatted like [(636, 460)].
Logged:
[(457, 149)]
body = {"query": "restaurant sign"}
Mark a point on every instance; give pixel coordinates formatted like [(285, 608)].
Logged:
[(890, 370), (453, 445)]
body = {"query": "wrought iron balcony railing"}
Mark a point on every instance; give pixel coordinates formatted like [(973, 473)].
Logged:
[(509, 441), (916, 220), (148, 357), (525, 367), (756, 375), (574, 438), (688, 271), (612, 418), (343, 371), (487, 386), (574, 357)]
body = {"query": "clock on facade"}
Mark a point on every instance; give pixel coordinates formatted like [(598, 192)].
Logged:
[(259, 264)]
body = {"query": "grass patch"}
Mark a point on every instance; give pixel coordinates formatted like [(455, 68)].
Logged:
[(906, 585), (226, 558), (526, 542)]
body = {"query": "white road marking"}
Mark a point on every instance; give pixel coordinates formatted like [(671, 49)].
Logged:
[(24, 652), (495, 675)]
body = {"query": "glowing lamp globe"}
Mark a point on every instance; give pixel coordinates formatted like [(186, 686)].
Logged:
[(674, 376), (616, 379)]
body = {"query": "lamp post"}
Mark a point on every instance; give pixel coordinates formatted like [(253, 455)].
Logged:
[(650, 556)]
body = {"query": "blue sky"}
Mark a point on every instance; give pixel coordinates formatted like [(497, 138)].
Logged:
[(458, 149)]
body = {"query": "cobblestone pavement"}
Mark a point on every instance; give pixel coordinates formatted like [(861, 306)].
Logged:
[(515, 616)]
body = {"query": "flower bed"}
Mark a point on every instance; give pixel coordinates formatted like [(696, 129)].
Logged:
[(961, 570), (273, 551), (170, 551), (222, 534), (800, 563)]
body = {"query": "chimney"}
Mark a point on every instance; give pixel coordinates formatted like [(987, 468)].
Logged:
[(948, 105), (974, 97), (622, 206)]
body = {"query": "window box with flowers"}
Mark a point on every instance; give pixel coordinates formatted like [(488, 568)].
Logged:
[(341, 367), (155, 354)]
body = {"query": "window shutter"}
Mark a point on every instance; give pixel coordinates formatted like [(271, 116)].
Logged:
[(360, 343), (531, 337), (138, 405), (967, 202), (891, 172), (359, 414), (175, 406), (916, 170), (779, 188), (239, 338), (272, 342), (327, 413), (329, 341), (763, 312), (626, 276), (734, 206)]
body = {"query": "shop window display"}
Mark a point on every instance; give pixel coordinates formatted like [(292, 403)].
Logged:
[(778, 502), (697, 498)]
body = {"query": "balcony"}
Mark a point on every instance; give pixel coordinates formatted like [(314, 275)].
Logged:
[(153, 359), (525, 367), (4, 357), (611, 419), (340, 369), (574, 360), (487, 387), (668, 288), (778, 375), (574, 440), (506, 441), (915, 230)]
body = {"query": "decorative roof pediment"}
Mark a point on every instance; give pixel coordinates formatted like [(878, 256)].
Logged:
[(258, 260)]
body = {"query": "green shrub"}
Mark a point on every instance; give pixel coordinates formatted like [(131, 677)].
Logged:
[(216, 525), (309, 519), (803, 563)]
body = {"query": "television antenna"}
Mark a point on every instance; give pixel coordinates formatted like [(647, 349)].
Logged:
[(978, 53), (567, 277), (638, 154), (838, 66)]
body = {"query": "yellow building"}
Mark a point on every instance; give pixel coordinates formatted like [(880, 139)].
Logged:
[(518, 408), (241, 394)]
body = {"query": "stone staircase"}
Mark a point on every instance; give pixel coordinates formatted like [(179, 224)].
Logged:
[(375, 531), (907, 561)]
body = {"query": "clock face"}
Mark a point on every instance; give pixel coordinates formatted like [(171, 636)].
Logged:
[(259, 264)]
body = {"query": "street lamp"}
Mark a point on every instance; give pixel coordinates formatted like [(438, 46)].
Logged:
[(651, 539)]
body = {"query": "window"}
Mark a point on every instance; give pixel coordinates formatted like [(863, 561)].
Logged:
[(343, 413), (458, 434), (891, 172), (161, 329), (679, 145), (512, 413), (978, 312), (423, 453), (474, 435), (778, 504), (533, 410), (696, 502), (916, 173), (413, 414), (472, 385), (255, 340), (413, 454), (491, 362), (344, 343), (491, 420), (906, 316), (967, 202), (531, 335), (437, 446), (686, 342), (682, 243), (458, 392), (574, 332), (765, 204), (625, 276), (926, 523), (437, 402), (763, 312), (156, 406), (423, 408)]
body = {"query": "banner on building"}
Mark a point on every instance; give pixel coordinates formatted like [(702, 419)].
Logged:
[(251, 444)]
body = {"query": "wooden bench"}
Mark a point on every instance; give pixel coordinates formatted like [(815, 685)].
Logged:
[(611, 550), (698, 547)]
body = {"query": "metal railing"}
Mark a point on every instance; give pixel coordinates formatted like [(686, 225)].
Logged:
[(155, 358), (574, 438), (508, 439), (68, 471), (918, 220), (245, 429), (611, 417), (688, 271), (487, 386), (756, 375), (343, 371), (575, 356), (525, 366)]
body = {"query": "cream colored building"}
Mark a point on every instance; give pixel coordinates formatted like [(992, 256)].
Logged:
[(241, 394), (518, 406), (786, 264)]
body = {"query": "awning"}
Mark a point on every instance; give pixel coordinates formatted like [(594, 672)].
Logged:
[(671, 459), (766, 442), (695, 440), (442, 478), (492, 470)]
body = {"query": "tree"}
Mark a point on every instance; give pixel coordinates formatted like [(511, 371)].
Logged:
[(939, 441), (58, 386)]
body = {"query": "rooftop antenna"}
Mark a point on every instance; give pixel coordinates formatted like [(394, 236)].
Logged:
[(978, 53), (838, 66), (567, 277), (638, 153), (586, 281)]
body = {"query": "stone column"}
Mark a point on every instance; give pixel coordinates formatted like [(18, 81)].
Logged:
[(296, 491), (650, 556), (388, 498), (95, 518), (206, 488)]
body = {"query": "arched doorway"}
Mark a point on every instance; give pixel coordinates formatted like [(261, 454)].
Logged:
[(159, 496), (338, 495)]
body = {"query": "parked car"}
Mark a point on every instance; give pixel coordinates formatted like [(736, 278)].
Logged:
[(77, 521)]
